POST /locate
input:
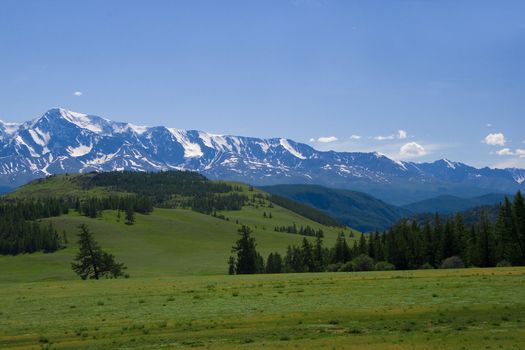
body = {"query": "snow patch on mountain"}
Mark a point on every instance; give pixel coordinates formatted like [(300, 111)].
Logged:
[(9, 128), (139, 129), (289, 148), (31, 150), (79, 151), (450, 164), (81, 120), (191, 149)]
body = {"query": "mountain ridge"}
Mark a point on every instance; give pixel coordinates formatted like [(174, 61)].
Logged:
[(64, 141)]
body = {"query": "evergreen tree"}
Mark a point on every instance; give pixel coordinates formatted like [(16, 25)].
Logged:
[(307, 256), (231, 265), (91, 261), (341, 250), (363, 247), (448, 242), (319, 255), (247, 256), (461, 236), (473, 258), (130, 215), (274, 263), (486, 243), (507, 242), (519, 223)]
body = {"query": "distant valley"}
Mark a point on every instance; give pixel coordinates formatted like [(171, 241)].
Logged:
[(366, 213)]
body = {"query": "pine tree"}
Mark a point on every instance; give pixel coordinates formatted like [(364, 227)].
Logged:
[(507, 243), (341, 251), (130, 215), (363, 248), (519, 217), (91, 261), (448, 244), (247, 256), (486, 243), (274, 263), (231, 265), (461, 236), (318, 254), (307, 256)]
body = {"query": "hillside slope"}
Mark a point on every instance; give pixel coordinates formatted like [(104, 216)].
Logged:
[(166, 242), (352, 208)]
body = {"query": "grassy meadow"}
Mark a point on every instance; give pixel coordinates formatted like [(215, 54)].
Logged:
[(179, 296), (425, 309), (165, 243)]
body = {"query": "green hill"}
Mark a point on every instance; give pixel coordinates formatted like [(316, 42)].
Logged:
[(166, 242), (355, 209)]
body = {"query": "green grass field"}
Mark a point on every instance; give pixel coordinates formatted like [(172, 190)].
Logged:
[(179, 295), (426, 309)]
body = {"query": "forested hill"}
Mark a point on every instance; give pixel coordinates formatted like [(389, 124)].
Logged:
[(128, 193), (169, 189)]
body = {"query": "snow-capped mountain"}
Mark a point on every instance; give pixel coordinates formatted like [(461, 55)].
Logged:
[(64, 141)]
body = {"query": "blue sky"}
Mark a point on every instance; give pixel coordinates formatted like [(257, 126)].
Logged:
[(416, 80)]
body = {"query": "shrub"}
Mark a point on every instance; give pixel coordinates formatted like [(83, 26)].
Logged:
[(346, 267), (453, 262), (503, 263), (426, 266), (384, 266), (363, 263), (333, 267)]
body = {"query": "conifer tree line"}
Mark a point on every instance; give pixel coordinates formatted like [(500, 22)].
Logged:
[(18, 236), (209, 203), (303, 231), (93, 206), (484, 243), (168, 189), (160, 187), (446, 243), (20, 232), (308, 257)]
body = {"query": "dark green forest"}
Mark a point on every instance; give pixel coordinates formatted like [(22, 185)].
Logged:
[(20, 230), (438, 243)]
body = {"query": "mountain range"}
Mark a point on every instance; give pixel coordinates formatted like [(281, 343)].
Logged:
[(62, 141)]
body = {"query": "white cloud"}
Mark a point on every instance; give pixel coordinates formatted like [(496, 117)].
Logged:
[(412, 149), (497, 139), (505, 152), (508, 152), (77, 93), (402, 134), (489, 125), (355, 137), (382, 138), (327, 139), (312, 140)]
